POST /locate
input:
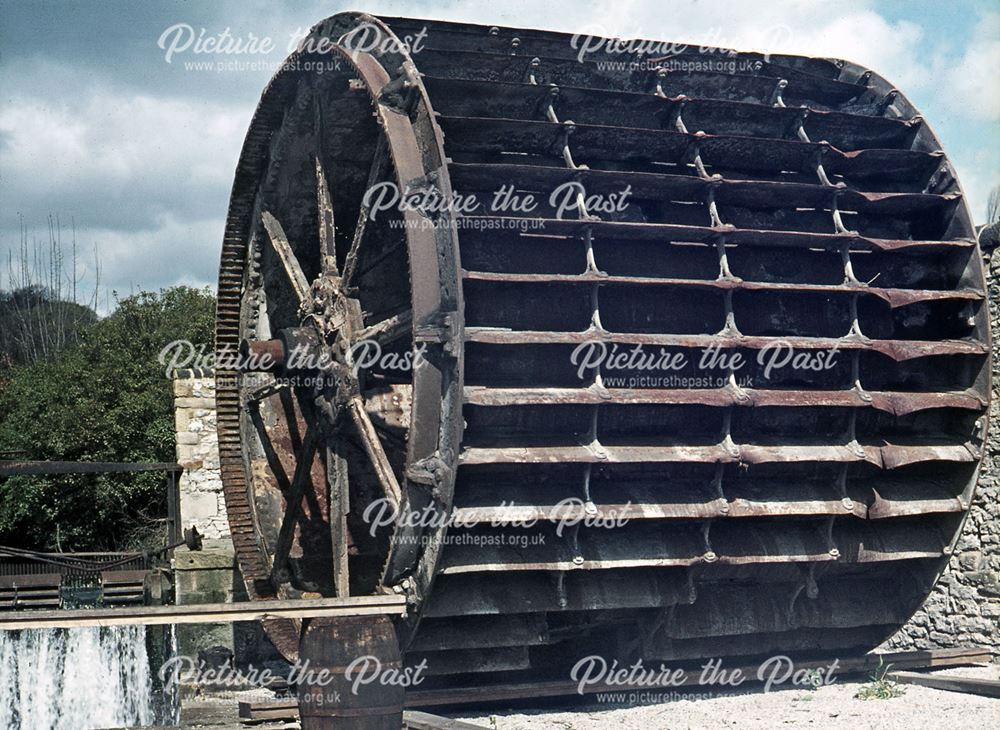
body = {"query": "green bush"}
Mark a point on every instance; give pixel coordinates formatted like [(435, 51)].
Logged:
[(104, 399)]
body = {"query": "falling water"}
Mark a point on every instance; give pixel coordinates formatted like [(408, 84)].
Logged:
[(170, 702), (81, 678)]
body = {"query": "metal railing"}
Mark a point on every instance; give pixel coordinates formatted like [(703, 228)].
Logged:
[(80, 570)]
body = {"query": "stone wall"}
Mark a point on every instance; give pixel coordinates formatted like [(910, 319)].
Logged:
[(201, 502), (208, 575), (964, 608)]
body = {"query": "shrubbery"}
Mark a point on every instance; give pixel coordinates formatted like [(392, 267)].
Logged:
[(105, 398)]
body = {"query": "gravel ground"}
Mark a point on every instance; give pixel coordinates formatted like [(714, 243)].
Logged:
[(833, 706)]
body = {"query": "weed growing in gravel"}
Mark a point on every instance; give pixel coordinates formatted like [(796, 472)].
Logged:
[(880, 688), (814, 679)]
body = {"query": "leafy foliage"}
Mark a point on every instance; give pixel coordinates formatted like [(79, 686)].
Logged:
[(880, 687), (105, 399)]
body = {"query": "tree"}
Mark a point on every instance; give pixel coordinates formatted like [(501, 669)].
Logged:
[(43, 311), (104, 399), (34, 324)]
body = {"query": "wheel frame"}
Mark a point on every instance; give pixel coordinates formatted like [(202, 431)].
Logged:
[(415, 146)]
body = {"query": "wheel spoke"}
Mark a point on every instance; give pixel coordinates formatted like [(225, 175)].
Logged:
[(388, 330), (284, 250), (380, 161), (327, 231), (265, 390), (375, 450), (338, 501), (270, 453), (293, 503)]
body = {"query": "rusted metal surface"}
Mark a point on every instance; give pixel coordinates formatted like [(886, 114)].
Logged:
[(799, 202)]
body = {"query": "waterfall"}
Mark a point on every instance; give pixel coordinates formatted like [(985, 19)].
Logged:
[(170, 699), (74, 678)]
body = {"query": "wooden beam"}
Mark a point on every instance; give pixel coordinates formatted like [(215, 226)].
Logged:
[(338, 506), (25, 468), (380, 160), (375, 450), (968, 685), (293, 504), (200, 613), (276, 710), (281, 246), (327, 230), (388, 330), (927, 658)]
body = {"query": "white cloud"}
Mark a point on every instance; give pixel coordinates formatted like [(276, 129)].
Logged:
[(145, 179), (109, 145), (170, 252), (972, 81)]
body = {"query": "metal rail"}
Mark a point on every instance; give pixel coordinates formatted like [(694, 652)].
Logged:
[(26, 468), (172, 470), (204, 613)]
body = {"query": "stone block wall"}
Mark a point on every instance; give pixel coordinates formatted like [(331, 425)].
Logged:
[(208, 575), (201, 501), (964, 608)]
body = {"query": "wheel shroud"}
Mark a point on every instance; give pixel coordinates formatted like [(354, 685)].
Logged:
[(780, 200)]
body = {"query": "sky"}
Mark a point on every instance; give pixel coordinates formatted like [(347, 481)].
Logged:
[(136, 151)]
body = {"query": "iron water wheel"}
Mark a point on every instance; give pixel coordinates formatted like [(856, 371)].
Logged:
[(788, 200)]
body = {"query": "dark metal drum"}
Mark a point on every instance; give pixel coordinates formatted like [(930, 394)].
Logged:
[(687, 359)]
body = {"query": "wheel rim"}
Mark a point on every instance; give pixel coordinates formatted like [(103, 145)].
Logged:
[(296, 439)]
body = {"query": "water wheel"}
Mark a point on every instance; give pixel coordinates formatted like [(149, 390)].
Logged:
[(661, 509)]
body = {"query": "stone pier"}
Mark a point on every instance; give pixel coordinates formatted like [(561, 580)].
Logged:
[(208, 575)]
